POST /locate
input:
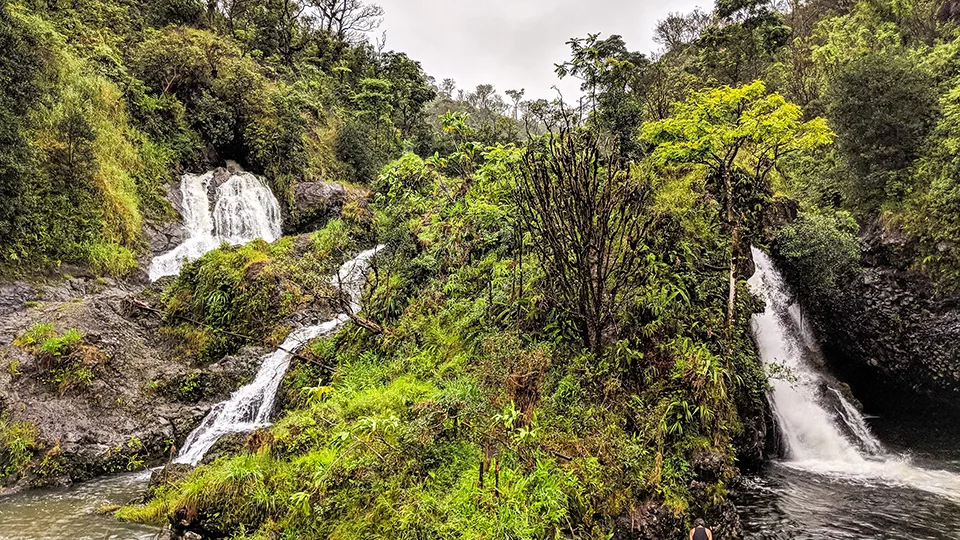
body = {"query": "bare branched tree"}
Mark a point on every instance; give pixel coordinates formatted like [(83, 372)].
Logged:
[(679, 30), (347, 19), (589, 217)]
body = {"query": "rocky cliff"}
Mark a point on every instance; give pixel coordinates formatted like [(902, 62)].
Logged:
[(888, 333)]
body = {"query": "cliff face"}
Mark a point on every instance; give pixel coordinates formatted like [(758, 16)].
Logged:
[(889, 334)]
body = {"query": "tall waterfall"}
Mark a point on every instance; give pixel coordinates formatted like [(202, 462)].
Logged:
[(251, 406), (243, 209), (824, 433)]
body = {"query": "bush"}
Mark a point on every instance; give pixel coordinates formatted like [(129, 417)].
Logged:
[(111, 259), (821, 251), (19, 442), (64, 361)]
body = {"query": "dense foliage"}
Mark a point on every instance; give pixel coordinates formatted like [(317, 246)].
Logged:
[(105, 101), (555, 340)]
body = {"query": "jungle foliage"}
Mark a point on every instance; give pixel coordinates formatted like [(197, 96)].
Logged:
[(105, 102), (555, 340)]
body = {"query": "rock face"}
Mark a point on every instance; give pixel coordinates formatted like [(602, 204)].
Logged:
[(124, 418), (317, 202), (889, 334)]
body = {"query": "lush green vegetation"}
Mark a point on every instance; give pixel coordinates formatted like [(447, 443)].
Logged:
[(478, 411), (555, 340), (106, 100), (63, 361), (18, 443)]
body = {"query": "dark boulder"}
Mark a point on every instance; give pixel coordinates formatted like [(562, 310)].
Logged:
[(13, 297), (314, 203)]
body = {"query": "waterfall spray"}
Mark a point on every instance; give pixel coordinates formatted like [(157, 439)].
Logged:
[(831, 440), (243, 209)]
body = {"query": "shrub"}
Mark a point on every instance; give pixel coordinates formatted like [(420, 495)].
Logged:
[(63, 360), (19, 441), (111, 259), (820, 250)]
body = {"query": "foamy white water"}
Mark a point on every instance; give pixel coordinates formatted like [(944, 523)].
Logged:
[(243, 209), (823, 432), (251, 406)]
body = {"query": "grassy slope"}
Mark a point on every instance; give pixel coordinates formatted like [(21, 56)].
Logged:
[(473, 416)]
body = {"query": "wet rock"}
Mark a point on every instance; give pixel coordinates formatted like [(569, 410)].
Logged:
[(121, 421), (317, 202), (220, 177), (165, 476), (13, 297), (164, 237), (650, 520), (888, 333), (228, 445)]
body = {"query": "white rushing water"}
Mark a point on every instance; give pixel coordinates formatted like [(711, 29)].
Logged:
[(251, 406), (823, 432), (243, 209)]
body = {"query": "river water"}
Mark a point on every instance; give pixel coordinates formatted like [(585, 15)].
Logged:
[(841, 476), (71, 513)]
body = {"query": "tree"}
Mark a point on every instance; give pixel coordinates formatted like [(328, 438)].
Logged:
[(347, 20), (21, 71), (744, 41), (740, 134), (679, 30), (613, 79), (408, 89), (588, 214), (882, 106), (821, 251), (516, 96)]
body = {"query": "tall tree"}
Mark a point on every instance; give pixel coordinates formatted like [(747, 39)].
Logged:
[(882, 106), (347, 20), (613, 79), (589, 215), (740, 134), (743, 42)]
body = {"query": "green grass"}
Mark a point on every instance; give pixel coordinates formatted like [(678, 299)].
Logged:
[(64, 361), (18, 444)]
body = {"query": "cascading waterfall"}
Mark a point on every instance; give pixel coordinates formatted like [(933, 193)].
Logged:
[(251, 406), (243, 209), (824, 433)]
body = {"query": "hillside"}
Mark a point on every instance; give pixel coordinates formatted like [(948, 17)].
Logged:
[(555, 338)]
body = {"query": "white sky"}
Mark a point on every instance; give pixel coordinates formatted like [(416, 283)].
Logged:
[(514, 44)]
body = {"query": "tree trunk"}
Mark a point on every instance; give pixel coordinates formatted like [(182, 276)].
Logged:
[(734, 248)]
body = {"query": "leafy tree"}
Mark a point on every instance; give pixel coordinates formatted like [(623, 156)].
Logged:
[(740, 134), (821, 251), (516, 96), (748, 35), (680, 30), (882, 106), (167, 12), (409, 92), (21, 70), (613, 79)]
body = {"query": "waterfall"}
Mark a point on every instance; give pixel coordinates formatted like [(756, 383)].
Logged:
[(243, 209), (823, 432), (251, 406)]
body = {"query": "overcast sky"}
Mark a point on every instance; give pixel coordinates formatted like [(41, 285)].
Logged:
[(515, 43)]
